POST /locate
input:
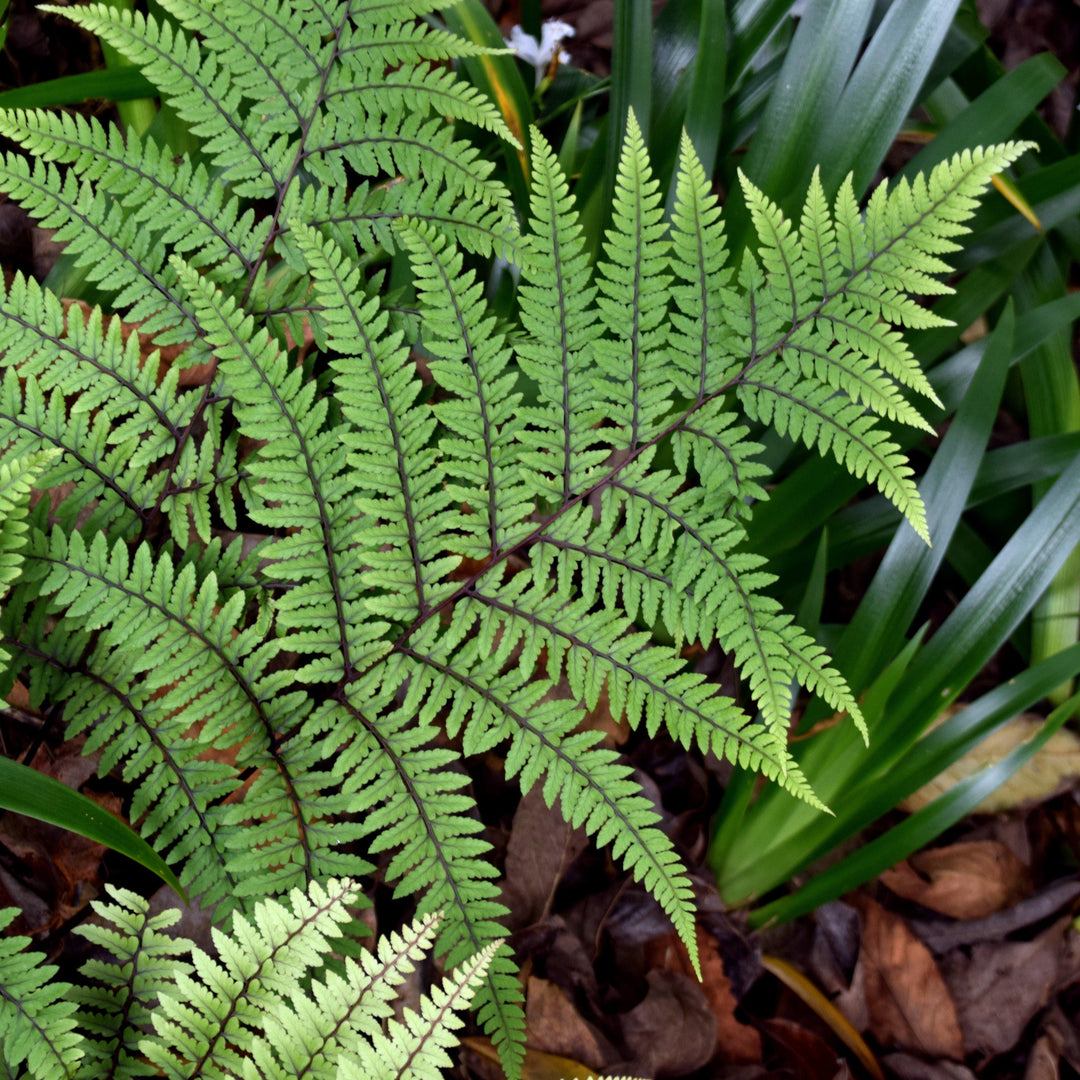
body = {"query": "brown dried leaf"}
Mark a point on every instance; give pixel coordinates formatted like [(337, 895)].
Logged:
[(1041, 777), (966, 881), (555, 1026), (736, 1042), (998, 986), (907, 999), (799, 1052), (672, 1032), (483, 1061), (540, 848), (909, 1067)]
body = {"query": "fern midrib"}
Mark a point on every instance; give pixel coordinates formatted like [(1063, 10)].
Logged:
[(635, 325), (299, 155), (703, 292), (231, 668), (120, 1044), (656, 688), (137, 712), (554, 748), (564, 342)]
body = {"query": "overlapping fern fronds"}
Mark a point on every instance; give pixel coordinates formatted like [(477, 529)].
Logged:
[(266, 1005), (451, 557)]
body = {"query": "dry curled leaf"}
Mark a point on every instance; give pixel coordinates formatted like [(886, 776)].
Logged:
[(908, 1002), (1057, 762), (736, 1042), (556, 1027), (998, 986), (541, 847), (966, 881)]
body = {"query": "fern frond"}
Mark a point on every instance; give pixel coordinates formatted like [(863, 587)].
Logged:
[(298, 479), (700, 336), (306, 1036), (118, 256), (255, 159), (18, 473), (465, 530), (199, 668), (177, 202), (119, 998), (36, 1021), (366, 216), (555, 297), (419, 812), (413, 91), (470, 360), (593, 789), (209, 1022), (633, 300), (391, 460), (415, 1049), (123, 426), (806, 410)]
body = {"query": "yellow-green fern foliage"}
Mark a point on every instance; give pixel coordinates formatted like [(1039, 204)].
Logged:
[(270, 1003), (452, 559)]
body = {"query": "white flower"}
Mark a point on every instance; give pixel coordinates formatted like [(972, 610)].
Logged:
[(541, 54)]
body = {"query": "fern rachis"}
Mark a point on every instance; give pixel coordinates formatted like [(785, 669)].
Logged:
[(435, 560)]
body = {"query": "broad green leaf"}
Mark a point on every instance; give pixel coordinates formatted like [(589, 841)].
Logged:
[(994, 115), (115, 84), (918, 830), (882, 91), (26, 791)]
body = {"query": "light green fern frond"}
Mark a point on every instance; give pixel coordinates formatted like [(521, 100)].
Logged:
[(266, 1006), (37, 1026), (633, 282), (118, 997)]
